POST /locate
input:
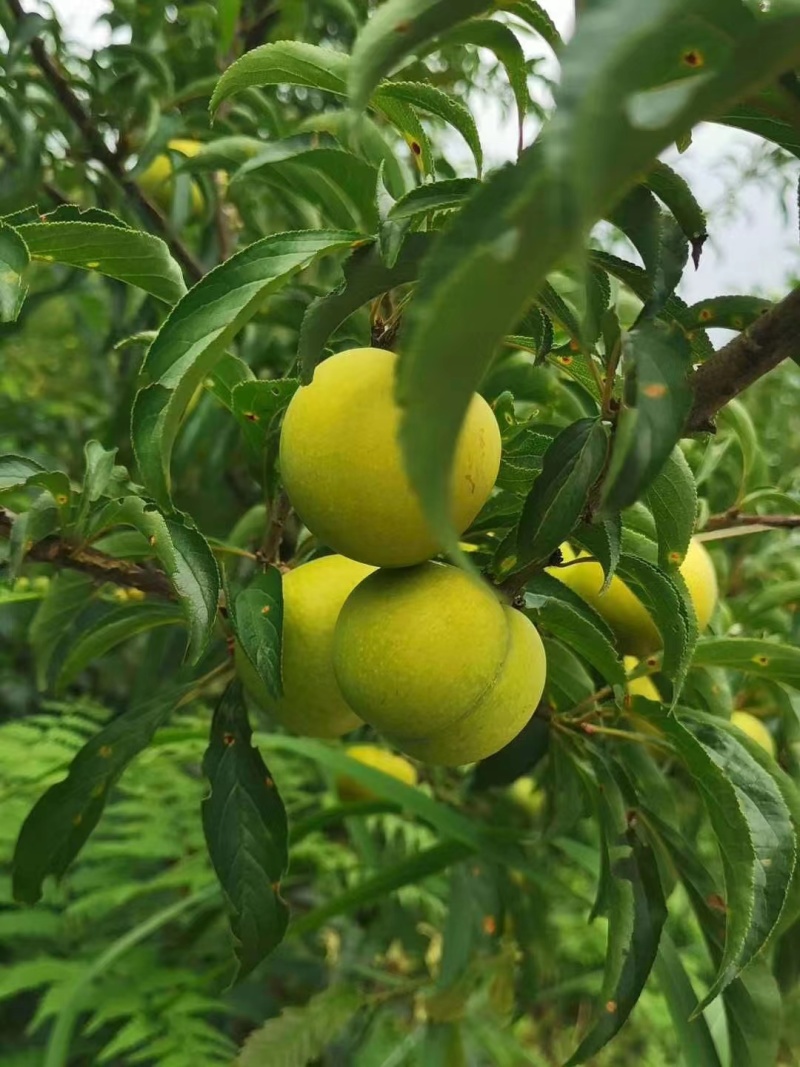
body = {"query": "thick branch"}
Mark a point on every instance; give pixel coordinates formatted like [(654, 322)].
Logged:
[(103, 154), (770, 340), (96, 564)]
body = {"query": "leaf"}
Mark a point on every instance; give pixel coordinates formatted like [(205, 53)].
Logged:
[(658, 400), (733, 838), (528, 217), (764, 659), (131, 256), (694, 1037), (63, 818), (568, 681), (258, 622), (521, 460), (227, 18), (559, 496), (395, 31), (189, 562), (672, 498), (366, 276), (726, 312), (568, 617), (244, 823), (68, 594), (15, 471), (199, 329), (14, 261), (115, 625), (435, 102), (636, 914), (298, 1036), (518, 757), (433, 196), (284, 63), (535, 16), (485, 33), (258, 407), (603, 540), (674, 191), (639, 217)]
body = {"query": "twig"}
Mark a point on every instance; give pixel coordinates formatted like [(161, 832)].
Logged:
[(770, 340), (734, 518), (281, 509), (97, 565), (103, 154)]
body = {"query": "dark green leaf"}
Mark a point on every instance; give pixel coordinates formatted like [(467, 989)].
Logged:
[(199, 329), (244, 822), (14, 260), (258, 622), (603, 540), (674, 191), (68, 594), (433, 196), (568, 682), (428, 98), (696, 1044), (119, 252), (62, 820), (522, 458), (761, 658), (518, 757), (535, 16), (258, 406), (284, 63), (672, 498), (571, 466)]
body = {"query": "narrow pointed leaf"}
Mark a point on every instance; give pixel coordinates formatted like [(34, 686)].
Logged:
[(14, 259), (765, 659), (672, 498), (258, 622)]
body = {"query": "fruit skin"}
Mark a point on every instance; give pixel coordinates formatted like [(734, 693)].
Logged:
[(637, 634), (755, 730), (348, 788), (343, 469), (640, 687), (431, 658), (312, 704), (155, 179)]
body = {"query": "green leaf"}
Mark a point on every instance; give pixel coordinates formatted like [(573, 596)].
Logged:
[(428, 98), (568, 681), (188, 561), (395, 31), (568, 617), (62, 820), (115, 625), (299, 1036), (259, 406), (227, 18), (522, 458), (672, 498), (529, 217), (68, 594), (634, 902), (258, 622), (674, 191), (14, 261), (284, 63), (694, 1037), (736, 848), (15, 471), (764, 659), (366, 276), (535, 16), (200, 328), (658, 400), (433, 196), (768, 115), (663, 255), (244, 823), (571, 466), (726, 312), (131, 256), (603, 540)]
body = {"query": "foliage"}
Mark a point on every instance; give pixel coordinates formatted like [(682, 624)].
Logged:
[(151, 343)]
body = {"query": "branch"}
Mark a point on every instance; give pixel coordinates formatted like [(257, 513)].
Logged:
[(96, 564), (770, 340), (103, 154), (731, 519)]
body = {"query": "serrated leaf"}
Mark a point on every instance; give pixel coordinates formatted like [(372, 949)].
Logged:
[(115, 625), (603, 540), (675, 192), (658, 400), (769, 115), (764, 659), (199, 329), (131, 256), (433, 196), (298, 1036), (726, 312), (530, 216), (569, 618), (428, 98), (521, 461), (395, 30), (62, 820), (258, 407), (284, 63), (366, 276), (244, 823), (535, 16), (636, 911), (258, 623), (672, 499), (570, 467), (14, 259)]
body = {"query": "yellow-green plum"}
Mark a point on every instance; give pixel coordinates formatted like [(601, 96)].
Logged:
[(637, 634), (755, 730), (430, 657), (156, 179), (311, 704), (348, 788), (343, 469)]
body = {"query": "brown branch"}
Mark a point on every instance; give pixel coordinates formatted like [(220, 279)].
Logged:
[(103, 154), (97, 565), (770, 340), (273, 538), (733, 518)]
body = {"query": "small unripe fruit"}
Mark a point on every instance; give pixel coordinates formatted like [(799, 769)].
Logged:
[(343, 469), (755, 730), (636, 633), (156, 179), (311, 704), (431, 658), (348, 788)]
